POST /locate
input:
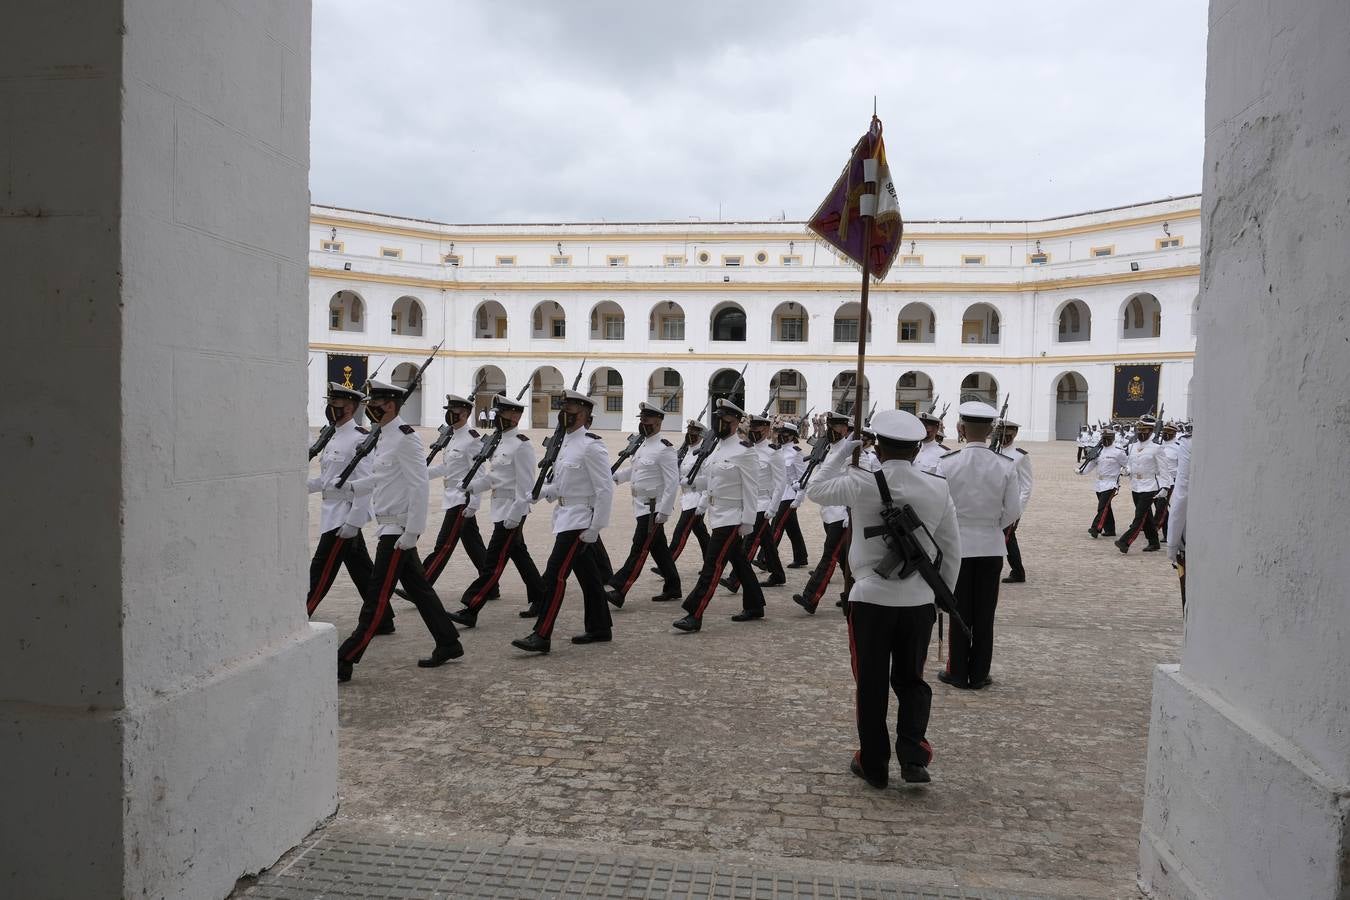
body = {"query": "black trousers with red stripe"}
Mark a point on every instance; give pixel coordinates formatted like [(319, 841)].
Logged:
[(332, 553), (969, 659), (404, 567), (1104, 522), (1143, 519), (1161, 506), (600, 554), (889, 645), (1014, 551), (785, 522), (689, 522), (573, 556), (724, 548), (819, 579), (648, 537), (759, 540), (457, 529), (506, 543)]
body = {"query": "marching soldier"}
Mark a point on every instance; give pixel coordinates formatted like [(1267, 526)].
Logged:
[(729, 477), (1168, 457), (785, 519), (598, 551), (1022, 460), (835, 518), (890, 621), (1107, 467), (772, 478), (691, 498), (931, 450), (341, 517), (512, 480), (984, 489), (1144, 484), (398, 489), (582, 489), (654, 473), (460, 525)]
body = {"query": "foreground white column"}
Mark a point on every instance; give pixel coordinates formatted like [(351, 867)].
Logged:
[(1248, 787), (169, 716)]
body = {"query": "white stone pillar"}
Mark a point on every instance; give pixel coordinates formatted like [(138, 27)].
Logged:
[(1248, 786), (169, 715)]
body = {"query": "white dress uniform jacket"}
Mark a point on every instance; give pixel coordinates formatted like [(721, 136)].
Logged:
[(341, 505), (794, 464), (690, 496), (455, 462), (929, 454), (1022, 461), (512, 477), (730, 479), (1181, 490), (984, 488), (868, 461), (398, 484), (1107, 467), (655, 474), (1168, 457), (772, 477), (1143, 466), (582, 486), (839, 482)]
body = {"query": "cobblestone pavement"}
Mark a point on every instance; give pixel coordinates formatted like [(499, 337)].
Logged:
[(733, 743)]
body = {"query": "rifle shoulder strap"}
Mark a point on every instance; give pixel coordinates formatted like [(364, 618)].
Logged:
[(884, 489)]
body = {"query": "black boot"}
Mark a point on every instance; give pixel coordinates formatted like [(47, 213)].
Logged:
[(688, 623), (532, 643)]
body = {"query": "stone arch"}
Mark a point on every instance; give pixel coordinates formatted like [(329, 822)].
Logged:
[(842, 392), (789, 323), (489, 321), (914, 392), (548, 321), (727, 322), (846, 323), (1071, 405), (546, 387), (402, 376), (721, 385), (408, 317), (980, 386), (488, 382), (606, 389), (607, 321), (666, 322), (981, 324), (791, 397), (1140, 317), (346, 312), (916, 324), (665, 388), (1073, 322)]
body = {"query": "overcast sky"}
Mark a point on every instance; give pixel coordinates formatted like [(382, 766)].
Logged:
[(571, 110)]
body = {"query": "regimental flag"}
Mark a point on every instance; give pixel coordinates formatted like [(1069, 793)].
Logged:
[(348, 371), (1136, 391), (838, 221)]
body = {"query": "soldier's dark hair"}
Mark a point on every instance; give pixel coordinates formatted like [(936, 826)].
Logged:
[(889, 449)]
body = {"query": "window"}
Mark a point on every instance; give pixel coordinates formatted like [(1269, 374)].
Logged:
[(788, 379), (761, 257), (559, 328), (616, 260), (971, 259), (506, 260), (1168, 243), (787, 407), (845, 330), (614, 404), (331, 246), (791, 329), (393, 323), (909, 380), (792, 260), (729, 325), (911, 260), (910, 330), (451, 259), (1099, 252), (674, 260), (356, 312), (731, 260), (613, 328), (670, 378), (560, 260), (391, 253), (613, 378), (1038, 258), (335, 318), (482, 319), (672, 328)]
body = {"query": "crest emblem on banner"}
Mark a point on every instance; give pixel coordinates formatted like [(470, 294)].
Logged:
[(1136, 388)]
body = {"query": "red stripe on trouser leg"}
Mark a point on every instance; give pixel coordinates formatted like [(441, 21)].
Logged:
[(381, 605), (781, 526), (480, 598), (824, 582), (853, 664), (326, 579), (718, 563), (559, 588), (927, 747), (443, 552), (1106, 508), (682, 535), (642, 557)]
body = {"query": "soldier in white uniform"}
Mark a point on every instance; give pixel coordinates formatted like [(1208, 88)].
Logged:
[(729, 477), (835, 518), (340, 518), (1022, 460), (582, 489), (1144, 484), (691, 498), (984, 489), (460, 525), (512, 481), (785, 518), (397, 487), (890, 620), (1108, 465), (655, 475), (1168, 457), (1176, 544), (931, 450), (772, 479)]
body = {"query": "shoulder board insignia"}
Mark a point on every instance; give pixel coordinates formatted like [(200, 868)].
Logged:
[(934, 474), (523, 437), (945, 455), (594, 437), (667, 443), (406, 429), (363, 430), (1021, 451), (945, 447), (746, 444), (473, 433)]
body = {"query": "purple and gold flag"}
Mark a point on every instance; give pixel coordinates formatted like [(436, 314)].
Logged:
[(838, 221)]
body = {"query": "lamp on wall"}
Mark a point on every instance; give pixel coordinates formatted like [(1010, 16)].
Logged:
[(911, 248), (1038, 246), (1167, 231), (1134, 267), (560, 248), (332, 235), (792, 246)]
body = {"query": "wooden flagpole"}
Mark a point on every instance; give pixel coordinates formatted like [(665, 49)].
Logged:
[(867, 207)]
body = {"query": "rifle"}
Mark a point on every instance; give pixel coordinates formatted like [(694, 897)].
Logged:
[(1158, 426), (445, 433), (554, 444), (936, 398), (634, 442), (329, 429), (709, 444), (773, 395), (819, 449), (997, 443), (900, 531), (484, 454), (368, 444), (1092, 452), (868, 421)]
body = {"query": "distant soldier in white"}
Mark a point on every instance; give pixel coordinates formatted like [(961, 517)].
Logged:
[(1017, 574), (772, 480), (1107, 467), (1143, 467), (835, 518), (867, 456), (655, 475), (398, 489), (582, 489), (984, 489), (691, 498), (512, 480), (931, 450), (340, 518), (785, 518), (460, 525), (1176, 543), (1086, 439), (890, 620), (1168, 457), (729, 476)]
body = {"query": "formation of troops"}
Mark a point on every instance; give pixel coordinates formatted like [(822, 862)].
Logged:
[(894, 501)]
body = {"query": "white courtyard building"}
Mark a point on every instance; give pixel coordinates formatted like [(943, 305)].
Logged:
[(667, 311)]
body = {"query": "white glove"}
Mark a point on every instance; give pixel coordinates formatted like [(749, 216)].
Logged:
[(550, 491), (796, 502), (1164, 493), (747, 530), (590, 536), (847, 446), (347, 532), (511, 524), (662, 518), (406, 541), (346, 487)]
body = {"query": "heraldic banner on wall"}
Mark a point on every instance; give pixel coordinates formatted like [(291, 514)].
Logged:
[(348, 371), (1136, 391)]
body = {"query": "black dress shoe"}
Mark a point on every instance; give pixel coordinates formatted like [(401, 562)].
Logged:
[(842, 603), (1152, 548), (530, 612), (688, 623), (855, 766), (982, 683), (495, 595), (729, 585), (944, 677), (402, 593), (532, 643), (1108, 534), (344, 670), (1121, 545), (654, 570), (801, 601), (441, 655), (465, 618), (798, 565), (1015, 579), (613, 597), (386, 627), (661, 598), (747, 615), (915, 773), (773, 582), (1094, 532), (759, 564), (594, 637)]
